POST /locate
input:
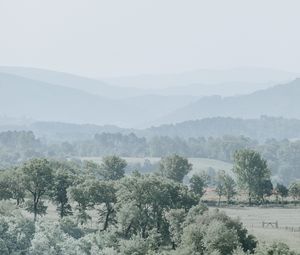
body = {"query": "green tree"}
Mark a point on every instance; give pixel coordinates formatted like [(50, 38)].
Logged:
[(61, 182), (11, 186), (16, 234), (220, 189), (37, 180), (175, 167), (294, 191), (212, 232), (226, 186), (281, 191), (218, 237), (266, 189), (198, 183), (103, 194), (79, 194), (144, 201), (252, 173), (50, 239), (113, 167), (274, 249), (175, 218)]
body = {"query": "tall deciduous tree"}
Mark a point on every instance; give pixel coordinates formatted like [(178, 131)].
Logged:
[(294, 190), (252, 173), (175, 167), (198, 183), (103, 193), (37, 180), (281, 191), (225, 186), (144, 201), (11, 185), (113, 167), (62, 181), (80, 195)]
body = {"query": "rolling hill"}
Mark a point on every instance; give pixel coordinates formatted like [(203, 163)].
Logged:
[(58, 97), (22, 97), (72, 81), (280, 101), (228, 82), (208, 82)]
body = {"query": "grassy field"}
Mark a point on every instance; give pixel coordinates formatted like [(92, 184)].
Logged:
[(287, 218)]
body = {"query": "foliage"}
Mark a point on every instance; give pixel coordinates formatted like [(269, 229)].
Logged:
[(16, 233), (137, 214), (175, 167), (198, 183), (281, 190), (37, 180), (61, 182), (226, 186), (208, 233), (11, 185), (113, 167), (80, 195), (252, 173), (294, 190), (144, 200), (274, 249)]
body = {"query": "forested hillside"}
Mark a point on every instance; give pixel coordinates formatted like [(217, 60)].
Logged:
[(280, 101)]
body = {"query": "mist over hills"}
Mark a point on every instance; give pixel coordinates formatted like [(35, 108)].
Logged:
[(205, 82), (280, 101), (72, 81), (22, 97), (43, 95), (227, 82)]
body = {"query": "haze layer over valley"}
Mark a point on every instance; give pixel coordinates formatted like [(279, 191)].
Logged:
[(60, 97)]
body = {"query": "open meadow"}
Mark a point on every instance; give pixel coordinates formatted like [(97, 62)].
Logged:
[(288, 219)]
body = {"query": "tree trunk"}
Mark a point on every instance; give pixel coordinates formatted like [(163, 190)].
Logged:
[(62, 213), (109, 211), (35, 210), (35, 201), (249, 197), (128, 229)]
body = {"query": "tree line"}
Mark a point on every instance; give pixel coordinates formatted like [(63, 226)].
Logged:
[(283, 156)]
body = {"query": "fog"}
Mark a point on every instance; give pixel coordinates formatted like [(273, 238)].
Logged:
[(99, 38)]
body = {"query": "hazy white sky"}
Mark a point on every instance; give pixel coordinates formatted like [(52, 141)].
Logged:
[(123, 37)]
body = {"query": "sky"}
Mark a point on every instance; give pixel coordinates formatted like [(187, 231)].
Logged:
[(103, 38)]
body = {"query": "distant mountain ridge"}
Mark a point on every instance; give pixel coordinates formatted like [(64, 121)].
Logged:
[(59, 97), (72, 81), (278, 101), (206, 82), (22, 97), (227, 82)]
